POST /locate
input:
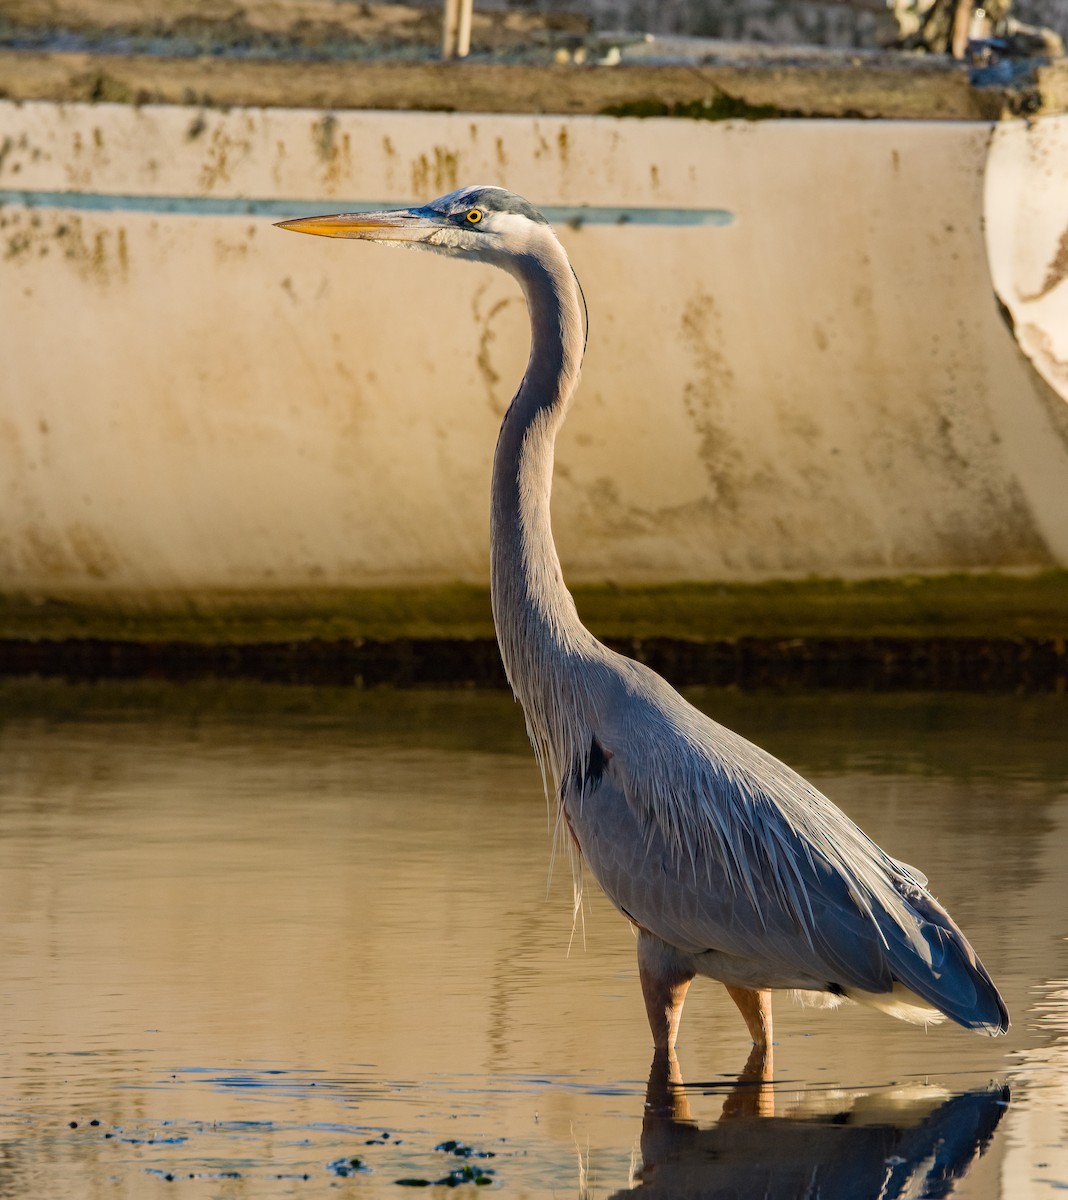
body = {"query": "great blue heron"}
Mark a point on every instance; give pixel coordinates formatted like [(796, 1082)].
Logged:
[(728, 863)]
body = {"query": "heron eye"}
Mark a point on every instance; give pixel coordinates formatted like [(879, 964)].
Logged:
[(474, 216)]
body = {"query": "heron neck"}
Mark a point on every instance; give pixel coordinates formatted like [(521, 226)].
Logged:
[(538, 627)]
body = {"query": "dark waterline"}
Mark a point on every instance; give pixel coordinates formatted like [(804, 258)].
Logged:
[(798, 664)]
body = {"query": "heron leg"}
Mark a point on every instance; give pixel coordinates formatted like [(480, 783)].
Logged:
[(666, 976), (753, 1094), (755, 1007), (665, 1094), (668, 1128)]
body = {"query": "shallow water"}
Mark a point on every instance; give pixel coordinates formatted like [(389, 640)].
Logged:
[(253, 934)]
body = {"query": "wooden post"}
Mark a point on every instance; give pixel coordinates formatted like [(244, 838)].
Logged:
[(463, 38), (456, 35), (450, 29), (962, 24)]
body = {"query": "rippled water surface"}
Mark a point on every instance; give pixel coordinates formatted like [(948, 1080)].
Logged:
[(266, 942)]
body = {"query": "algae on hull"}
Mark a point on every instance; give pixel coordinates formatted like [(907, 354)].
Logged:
[(988, 605), (721, 106)]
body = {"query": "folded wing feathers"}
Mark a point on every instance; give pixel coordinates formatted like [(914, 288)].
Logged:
[(771, 843)]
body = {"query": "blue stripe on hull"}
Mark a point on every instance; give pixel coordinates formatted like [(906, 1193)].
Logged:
[(220, 206)]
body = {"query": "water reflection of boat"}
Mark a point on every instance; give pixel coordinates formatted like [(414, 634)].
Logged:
[(919, 1143)]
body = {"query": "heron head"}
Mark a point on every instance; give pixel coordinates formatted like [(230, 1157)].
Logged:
[(486, 223)]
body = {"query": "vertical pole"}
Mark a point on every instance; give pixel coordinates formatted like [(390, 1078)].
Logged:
[(450, 29), (463, 39), (962, 24)]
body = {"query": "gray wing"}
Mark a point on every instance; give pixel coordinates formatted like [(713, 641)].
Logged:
[(709, 843), (764, 897)]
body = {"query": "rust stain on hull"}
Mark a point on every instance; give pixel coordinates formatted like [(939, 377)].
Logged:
[(1056, 271)]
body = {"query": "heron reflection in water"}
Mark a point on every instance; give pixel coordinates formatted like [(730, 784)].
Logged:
[(728, 863), (835, 1145)]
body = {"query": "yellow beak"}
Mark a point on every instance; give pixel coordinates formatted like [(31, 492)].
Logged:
[(402, 225)]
